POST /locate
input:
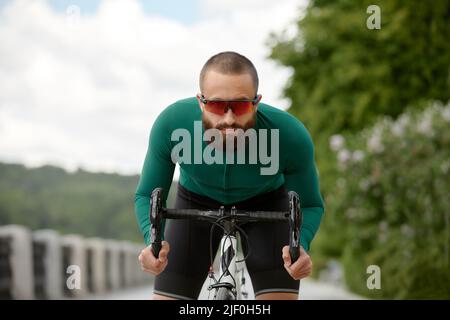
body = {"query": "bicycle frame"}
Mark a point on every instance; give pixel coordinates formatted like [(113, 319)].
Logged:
[(230, 257), (231, 261)]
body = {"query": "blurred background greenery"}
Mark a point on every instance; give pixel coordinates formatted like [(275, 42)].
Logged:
[(373, 102), (376, 103)]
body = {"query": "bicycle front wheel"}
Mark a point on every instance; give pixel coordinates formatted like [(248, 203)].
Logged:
[(224, 294)]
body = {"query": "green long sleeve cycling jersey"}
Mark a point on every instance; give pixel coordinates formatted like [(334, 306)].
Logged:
[(229, 180)]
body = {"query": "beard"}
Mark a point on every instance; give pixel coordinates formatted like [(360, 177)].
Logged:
[(248, 125)]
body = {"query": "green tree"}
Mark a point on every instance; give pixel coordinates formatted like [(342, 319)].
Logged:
[(345, 75)]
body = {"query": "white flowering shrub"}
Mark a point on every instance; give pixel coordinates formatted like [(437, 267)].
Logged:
[(392, 204)]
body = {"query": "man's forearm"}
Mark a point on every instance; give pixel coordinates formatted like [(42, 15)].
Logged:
[(312, 217)]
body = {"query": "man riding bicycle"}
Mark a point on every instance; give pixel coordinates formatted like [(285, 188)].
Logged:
[(227, 163)]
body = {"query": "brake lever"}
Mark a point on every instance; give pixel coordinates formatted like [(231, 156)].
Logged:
[(155, 221), (294, 224)]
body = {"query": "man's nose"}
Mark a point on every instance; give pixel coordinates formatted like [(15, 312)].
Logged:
[(229, 117)]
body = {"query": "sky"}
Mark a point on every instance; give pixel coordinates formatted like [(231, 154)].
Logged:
[(81, 82)]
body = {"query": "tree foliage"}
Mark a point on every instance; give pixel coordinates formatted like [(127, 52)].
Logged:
[(345, 75)]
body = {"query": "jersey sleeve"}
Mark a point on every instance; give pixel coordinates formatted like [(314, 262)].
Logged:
[(157, 172), (301, 176)]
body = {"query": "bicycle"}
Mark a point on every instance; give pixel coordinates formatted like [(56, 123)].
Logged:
[(231, 258)]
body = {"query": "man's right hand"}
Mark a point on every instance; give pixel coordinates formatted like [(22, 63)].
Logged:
[(151, 264)]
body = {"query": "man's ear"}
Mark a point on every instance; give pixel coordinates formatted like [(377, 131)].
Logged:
[(200, 103)]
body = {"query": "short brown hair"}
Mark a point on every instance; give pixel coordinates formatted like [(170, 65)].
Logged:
[(230, 62)]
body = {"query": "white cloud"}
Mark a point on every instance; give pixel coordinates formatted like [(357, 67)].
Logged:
[(85, 92)]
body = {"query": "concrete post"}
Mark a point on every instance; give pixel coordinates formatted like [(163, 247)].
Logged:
[(74, 266), (112, 259), (20, 261), (128, 255), (96, 265), (52, 261)]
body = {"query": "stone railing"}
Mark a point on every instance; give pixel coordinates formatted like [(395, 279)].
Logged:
[(46, 265)]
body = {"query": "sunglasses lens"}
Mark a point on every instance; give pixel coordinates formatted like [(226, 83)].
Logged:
[(220, 107), (217, 107), (241, 107)]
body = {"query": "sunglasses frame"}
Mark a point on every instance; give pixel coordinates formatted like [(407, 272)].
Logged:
[(205, 101)]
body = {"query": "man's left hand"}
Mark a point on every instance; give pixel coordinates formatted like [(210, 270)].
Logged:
[(301, 268)]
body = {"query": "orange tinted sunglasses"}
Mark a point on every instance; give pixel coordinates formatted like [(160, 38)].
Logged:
[(220, 107)]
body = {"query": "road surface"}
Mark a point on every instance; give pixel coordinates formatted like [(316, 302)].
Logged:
[(310, 290)]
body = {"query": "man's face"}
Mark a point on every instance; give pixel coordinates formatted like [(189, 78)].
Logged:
[(228, 87)]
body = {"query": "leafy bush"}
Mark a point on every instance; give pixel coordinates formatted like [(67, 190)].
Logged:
[(391, 205)]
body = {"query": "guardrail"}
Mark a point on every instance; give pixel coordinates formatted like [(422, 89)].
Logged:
[(46, 265)]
